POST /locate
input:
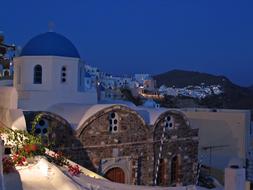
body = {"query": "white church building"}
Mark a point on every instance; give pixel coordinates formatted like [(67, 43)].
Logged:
[(49, 71)]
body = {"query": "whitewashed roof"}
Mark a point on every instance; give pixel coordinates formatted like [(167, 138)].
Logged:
[(150, 115), (73, 113), (77, 114), (121, 102), (92, 110)]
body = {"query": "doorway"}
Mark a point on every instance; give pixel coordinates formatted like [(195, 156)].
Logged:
[(116, 175)]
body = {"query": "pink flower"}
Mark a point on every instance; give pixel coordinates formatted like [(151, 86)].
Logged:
[(74, 170), (19, 159)]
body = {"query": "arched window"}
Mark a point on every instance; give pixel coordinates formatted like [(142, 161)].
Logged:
[(175, 166), (6, 73), (161, 180), (168, 122), (63, 74), (41, 127), (113, 122), (37, 74)]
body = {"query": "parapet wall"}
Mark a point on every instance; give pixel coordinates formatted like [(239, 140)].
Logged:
[(2, 186), (12, 118), (8, 97)]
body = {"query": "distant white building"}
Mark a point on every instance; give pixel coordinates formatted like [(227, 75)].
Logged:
[(191, 91), (93, 71), (145, 81), (141, 77), (112, 82), (88, 82)]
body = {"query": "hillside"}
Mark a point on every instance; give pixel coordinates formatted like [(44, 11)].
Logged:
[(250, 88), (234, 96), (180, 78)]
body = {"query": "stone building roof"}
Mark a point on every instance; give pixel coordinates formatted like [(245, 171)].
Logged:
[(150, 115), (73, 113), (77, 114)]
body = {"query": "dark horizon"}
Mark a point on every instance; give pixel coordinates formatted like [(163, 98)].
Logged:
[(145, 36)]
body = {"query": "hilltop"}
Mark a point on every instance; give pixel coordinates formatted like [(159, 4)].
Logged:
[(233, 96)]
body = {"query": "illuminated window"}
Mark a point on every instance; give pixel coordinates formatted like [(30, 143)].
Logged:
[(37, 74)]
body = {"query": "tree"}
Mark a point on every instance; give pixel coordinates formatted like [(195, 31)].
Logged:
[(129, 96)]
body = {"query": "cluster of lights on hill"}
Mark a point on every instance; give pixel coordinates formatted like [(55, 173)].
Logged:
[(192, 91)]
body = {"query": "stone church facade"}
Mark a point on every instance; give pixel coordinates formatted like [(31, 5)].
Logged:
[(119, 144)]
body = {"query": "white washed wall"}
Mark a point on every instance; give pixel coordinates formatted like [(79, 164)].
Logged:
[(1, 166)]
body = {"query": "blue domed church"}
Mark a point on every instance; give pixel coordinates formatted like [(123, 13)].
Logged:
[(49, 65)]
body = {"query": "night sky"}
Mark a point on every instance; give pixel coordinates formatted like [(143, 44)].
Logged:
[(144, 36)]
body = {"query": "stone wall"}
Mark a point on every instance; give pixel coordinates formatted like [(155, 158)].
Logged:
[(132, 142), (181, 141), (134, 147)]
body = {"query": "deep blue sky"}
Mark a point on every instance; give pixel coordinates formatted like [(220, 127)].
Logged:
[(153, 36)]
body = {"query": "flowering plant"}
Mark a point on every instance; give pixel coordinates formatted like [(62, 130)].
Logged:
[(74, 170), (19, 159), (30, 150), (8, 165), (59, 159), (24, 145)]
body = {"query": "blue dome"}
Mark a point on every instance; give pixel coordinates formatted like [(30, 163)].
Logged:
[(50, 43)]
